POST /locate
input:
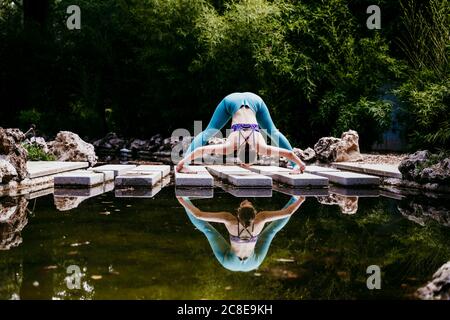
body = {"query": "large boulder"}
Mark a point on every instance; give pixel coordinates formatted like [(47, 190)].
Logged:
[(68, 146), (421, 167), (346, 148), (439, 287), (13, 153)]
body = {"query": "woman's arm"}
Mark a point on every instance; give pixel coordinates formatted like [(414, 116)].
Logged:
[(263, 148), (223, 148), (267, 216), (220, 217)]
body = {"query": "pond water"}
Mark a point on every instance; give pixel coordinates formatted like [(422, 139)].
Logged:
[(135, 248)]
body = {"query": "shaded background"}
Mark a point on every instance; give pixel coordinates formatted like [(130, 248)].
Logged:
[(142, 67)]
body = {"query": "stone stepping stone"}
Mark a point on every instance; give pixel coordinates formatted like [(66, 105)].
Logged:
[(66, 199), (107, 175), (349, 178), (305, 192), (381, 170), (142, 176), (203, 193), (249, 192), (315, 169), (240, 177), (117, 169), (79, 178), (200, 179), (38, 169), (352, 192), (142, 192), (283, 175)]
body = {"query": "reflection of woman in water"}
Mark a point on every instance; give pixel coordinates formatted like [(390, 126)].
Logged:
[(249, 114), (249, 243)]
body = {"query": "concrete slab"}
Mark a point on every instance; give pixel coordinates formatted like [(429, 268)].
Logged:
[(269, 170), (250, 192), (204, 193), (305, 192), (301, 180), (163, 169), (381, 170), (66, 199), (349, 178), (240, 177), (84, 192), (200, 179), (139, 192), (222, 172), (314, 169), (137, 179), (250, 180), (283, 175), (78, 178), (38, 169), (118, 169), (107, 175), (352, 192), (39, 193)]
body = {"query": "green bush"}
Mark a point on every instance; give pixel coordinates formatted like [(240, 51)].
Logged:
[(35, 153)]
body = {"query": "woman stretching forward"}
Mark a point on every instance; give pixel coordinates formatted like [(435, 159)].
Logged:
[(249, 114)]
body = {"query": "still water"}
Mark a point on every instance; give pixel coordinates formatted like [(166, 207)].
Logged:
[(137, 248)]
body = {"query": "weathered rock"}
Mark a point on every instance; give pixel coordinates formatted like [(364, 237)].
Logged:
[(331, 149), (347, 205), (67, 203), (325, 149), (110, 142), (419, 167), (12, 151), (7, 171), (307, 155), (439, 287), (421, 213), (13, 218), (68, 146), (139, 145), (348, 148), (410, 166)]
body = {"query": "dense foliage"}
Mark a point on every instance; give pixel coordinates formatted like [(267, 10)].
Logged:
[(141, 67)]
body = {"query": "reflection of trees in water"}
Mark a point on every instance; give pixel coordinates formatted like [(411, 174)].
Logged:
[(13, 218), (347, 205), (12, 278)]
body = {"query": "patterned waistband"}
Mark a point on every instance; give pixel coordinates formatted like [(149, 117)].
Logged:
[(245, 126), (237, 239)]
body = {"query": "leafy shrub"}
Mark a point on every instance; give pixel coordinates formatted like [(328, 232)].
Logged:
[(35, 153)]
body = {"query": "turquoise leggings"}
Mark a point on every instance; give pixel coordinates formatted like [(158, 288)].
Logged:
[(227, 108), (222, 248)]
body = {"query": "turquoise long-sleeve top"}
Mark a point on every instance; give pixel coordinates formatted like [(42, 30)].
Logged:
[(222, 248), (228, 107)]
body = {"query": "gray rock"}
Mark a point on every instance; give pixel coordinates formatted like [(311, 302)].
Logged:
[(419, 167), (7, 171), (68, 146), (307, 155), (439, 287), (331, 149), (13, 218), (12, 151)]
